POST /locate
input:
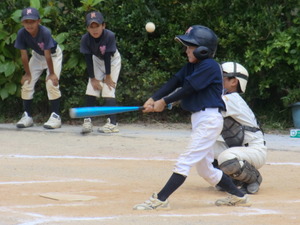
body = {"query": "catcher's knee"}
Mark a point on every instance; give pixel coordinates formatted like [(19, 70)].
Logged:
[(241, 170), (231, 167)]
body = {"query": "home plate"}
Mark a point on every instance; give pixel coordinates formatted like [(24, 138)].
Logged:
[(67, 197)]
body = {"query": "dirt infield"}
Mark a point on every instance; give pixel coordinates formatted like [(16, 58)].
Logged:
[(123, 169)]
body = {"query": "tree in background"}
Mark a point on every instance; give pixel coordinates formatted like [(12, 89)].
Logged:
[(262, 35)]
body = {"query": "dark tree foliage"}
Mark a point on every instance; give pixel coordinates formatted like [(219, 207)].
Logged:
[(262, 35)]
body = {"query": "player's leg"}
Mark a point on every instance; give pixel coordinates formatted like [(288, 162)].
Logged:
[(54, 94), (207, 130), (87, 126), (219, 147), (27, 91), (91, 96), (242, 163), (108, 93)]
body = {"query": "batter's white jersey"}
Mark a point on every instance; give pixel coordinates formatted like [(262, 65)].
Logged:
[(254, 149)]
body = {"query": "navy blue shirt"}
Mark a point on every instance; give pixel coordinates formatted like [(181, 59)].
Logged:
[(42, 41), (201, 86), (106, 43), (103, 47), (207, 81)]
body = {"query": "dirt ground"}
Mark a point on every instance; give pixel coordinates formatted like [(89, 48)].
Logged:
[(121, 170)]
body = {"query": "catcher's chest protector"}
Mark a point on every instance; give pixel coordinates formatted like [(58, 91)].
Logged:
[(233, 132)]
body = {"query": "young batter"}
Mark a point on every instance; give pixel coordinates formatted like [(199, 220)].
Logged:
[(240, 157), (46, 54), (201, 94), (103, 66)]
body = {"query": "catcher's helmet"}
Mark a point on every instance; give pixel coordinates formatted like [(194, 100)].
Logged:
[(200, 36), (233, 69)]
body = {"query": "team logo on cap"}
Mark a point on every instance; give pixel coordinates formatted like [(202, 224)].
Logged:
[(29, 11), (93, 15), (189, 30)]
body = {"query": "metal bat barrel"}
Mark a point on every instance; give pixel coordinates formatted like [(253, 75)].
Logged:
[(84, 112)]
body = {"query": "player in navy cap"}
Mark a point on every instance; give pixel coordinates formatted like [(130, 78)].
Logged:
[(46, 55), (103, 62), (199, 85)]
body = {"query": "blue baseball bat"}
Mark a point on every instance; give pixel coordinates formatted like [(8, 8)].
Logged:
[(84, 112)]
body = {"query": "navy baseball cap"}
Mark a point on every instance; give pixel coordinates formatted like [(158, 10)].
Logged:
[(30, 14), (94, 17)]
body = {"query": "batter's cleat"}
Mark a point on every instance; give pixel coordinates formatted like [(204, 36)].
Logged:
[(109, 128), (53, 122), (25, 121), (153, 203), (87, 126), (233, 200)]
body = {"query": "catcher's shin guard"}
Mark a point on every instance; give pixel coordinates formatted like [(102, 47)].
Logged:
[(245, 173)]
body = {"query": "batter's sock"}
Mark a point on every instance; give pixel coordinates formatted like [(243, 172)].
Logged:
[(227, 184), (175, 181), (27, 107), (216, 164), (55, 105), (111, 102), (90, 100)]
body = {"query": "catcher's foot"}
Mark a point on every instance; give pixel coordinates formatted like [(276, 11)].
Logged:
[(153, 203), (233, 200)]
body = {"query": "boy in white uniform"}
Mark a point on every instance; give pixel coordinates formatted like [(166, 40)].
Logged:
[(244, 150)]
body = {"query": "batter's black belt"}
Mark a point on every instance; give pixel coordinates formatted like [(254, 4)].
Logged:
[(219, 109)]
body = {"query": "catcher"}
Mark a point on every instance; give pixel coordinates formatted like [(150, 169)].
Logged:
[(244, 150)]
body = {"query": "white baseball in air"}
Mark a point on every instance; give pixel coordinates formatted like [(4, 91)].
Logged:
[(150, 27)]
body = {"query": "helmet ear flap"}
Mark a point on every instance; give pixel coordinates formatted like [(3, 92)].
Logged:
[(202, 52)]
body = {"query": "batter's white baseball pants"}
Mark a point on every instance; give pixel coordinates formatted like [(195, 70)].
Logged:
[(206, 128)]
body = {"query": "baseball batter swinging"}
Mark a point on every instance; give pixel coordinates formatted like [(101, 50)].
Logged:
[(201, 94)]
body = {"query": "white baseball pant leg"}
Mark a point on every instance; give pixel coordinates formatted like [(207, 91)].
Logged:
[(255, 154), (99, 71), (37, 65), (206, 127)]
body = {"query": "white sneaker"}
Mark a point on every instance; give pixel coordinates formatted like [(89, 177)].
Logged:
[(153, 203), (25, 121), (53, 122), (109, 128), (87, 126), (233, 200)]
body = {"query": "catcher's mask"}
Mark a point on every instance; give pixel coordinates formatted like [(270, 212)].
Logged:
[(233, 69), (200, 36)]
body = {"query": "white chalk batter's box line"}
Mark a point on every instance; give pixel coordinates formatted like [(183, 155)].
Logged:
[(118, 158), (38, 219)]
